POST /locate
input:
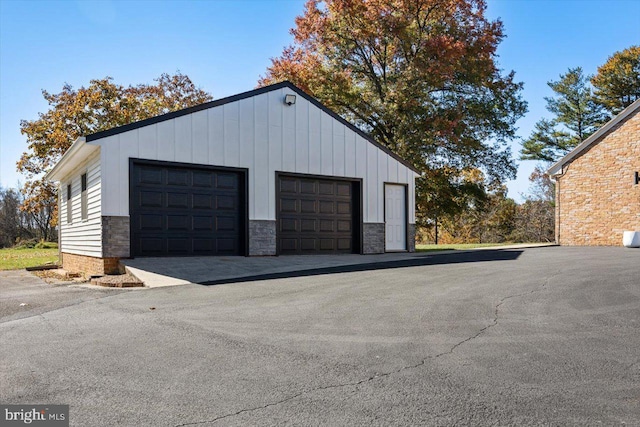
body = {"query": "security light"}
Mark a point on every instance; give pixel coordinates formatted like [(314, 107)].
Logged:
[(289, 99)]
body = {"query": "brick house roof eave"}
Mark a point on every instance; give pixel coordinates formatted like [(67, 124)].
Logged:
[(556, 168)]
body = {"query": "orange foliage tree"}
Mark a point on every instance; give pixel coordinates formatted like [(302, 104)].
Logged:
[(73, 113), (420, 76)]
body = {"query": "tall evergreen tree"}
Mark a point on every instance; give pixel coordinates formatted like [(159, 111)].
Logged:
[(576, 116)]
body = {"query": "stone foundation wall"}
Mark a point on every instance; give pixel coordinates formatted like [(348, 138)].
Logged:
[(115, 237), (373, 238), (90, 266), (262, 238), (411, 236)]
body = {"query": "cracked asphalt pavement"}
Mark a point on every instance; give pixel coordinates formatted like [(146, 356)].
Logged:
[(544, 336)]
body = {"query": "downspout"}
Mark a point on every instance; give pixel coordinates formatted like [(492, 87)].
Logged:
[(558, 208), (556, 178)]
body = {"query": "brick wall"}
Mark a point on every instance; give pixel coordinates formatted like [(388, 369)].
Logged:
[(596, 197), (89, 265)]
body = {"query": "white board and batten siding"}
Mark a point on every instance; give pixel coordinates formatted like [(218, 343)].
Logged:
[(261, 134), (82, 237)]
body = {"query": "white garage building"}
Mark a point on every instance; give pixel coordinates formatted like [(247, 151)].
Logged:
[(267, 172)]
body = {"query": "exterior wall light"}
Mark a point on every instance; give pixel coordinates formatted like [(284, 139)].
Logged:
[(637, 178), (289, 99)]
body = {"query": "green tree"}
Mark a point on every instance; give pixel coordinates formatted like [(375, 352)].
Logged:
[(576, 116), (535, 218), (421, 77), (617, 83), (100, 106)]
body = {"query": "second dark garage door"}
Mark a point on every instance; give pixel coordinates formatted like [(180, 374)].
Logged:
[(317, 215), (186, 210)]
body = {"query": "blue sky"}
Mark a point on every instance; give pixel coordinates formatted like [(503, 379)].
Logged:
[(224, 46)]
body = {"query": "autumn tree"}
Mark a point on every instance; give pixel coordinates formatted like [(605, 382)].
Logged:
[(421, 77), (576, 115), (617, 83), (77, 112), (535, 219)]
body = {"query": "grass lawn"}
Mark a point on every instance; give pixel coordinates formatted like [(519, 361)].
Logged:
[(15, 259), (432, 248)]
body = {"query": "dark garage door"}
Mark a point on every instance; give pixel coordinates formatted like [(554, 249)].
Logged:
[(181, 211), (317, 215)]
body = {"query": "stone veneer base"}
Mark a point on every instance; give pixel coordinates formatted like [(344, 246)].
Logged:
[(373, 238), (262, 237)]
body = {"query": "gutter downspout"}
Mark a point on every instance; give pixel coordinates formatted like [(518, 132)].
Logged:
[(556, 178)]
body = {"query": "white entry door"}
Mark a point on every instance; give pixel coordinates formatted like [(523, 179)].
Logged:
[(395, 217)]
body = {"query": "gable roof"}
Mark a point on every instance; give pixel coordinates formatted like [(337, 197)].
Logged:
[(556, 169), (238, 97)]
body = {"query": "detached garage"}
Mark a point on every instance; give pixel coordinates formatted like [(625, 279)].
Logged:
[(267, 172)]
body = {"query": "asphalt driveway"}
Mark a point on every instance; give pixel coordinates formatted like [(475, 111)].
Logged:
[(545, 336)]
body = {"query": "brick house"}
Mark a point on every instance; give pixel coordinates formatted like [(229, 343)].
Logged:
[(598, 184)]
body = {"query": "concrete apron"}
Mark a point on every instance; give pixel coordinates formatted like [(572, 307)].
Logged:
[(173, 271)]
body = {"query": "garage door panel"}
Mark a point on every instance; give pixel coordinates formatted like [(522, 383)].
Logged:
[(327, 244), (308, 226), (308, 187), (226, 246), (344, 226), (203, 246), (289, 245), (289, 225), (343, 189), (229, 181), (178, 200), (327, 225), (225, 223), (323, 222), (289, 205), (203, 223), (343, 208), (177, 177), (150, 199), (178, 245), (202, 201), (288, 186), (177, 222), (150, 222), (203, 179), (307, 244), (327, 207), (186, 210), (308, 206), (326, 188), (151, 245), (226, 202), (149, 176), (344, 244)]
